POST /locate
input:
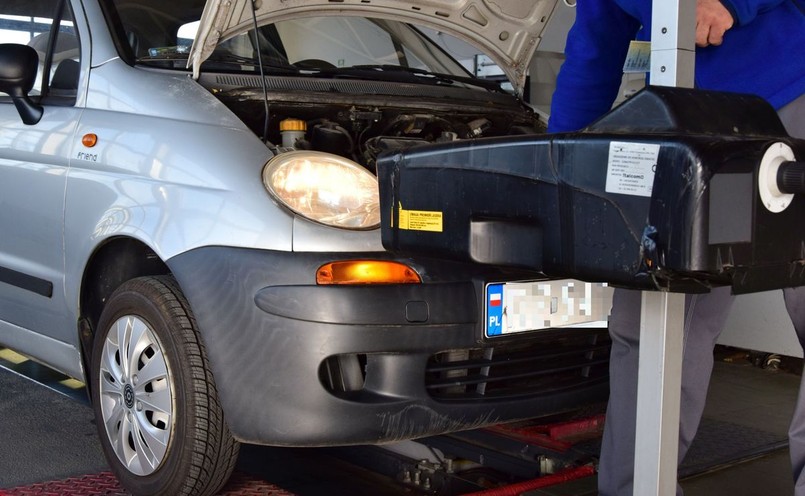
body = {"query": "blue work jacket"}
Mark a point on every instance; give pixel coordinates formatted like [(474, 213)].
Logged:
[(763, 54)]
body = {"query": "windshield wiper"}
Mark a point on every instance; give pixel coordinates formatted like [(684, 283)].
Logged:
[(419, 75)]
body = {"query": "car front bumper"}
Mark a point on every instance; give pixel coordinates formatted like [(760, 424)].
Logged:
[(298, 364)]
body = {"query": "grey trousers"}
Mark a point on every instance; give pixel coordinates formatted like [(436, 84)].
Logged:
[(793, 117), (705, 316)]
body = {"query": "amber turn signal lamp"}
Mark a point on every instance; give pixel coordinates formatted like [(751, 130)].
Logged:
[(366, 272), (89, 140)]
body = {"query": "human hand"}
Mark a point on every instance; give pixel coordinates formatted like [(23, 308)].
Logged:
[(712, 21)]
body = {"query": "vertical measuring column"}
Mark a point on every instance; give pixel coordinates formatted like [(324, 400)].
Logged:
[(658, 390), (673, 42), (673, 35)]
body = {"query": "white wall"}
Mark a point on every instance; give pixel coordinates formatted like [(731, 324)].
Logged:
[(760, 322)]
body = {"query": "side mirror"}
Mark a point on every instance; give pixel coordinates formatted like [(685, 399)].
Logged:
[(18, 66)]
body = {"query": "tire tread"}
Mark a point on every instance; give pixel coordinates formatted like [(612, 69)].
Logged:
[(211, 451), (215, 451)]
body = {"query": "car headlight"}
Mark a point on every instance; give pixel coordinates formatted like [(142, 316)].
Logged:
[(324, 188)]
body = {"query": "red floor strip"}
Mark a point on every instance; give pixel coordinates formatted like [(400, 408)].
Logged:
[(544, 481), (105, 484), (559, 436)]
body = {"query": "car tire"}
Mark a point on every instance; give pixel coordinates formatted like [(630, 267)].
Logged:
[(156, 406)]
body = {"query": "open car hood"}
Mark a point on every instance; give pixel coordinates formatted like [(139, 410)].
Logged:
[(508, 31)]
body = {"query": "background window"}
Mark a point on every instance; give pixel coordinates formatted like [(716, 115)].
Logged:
[(32, 23)]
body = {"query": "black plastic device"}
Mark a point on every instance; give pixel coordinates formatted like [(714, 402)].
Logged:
[(675, 189)]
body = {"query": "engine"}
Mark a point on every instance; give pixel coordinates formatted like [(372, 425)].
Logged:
[(360, 128)]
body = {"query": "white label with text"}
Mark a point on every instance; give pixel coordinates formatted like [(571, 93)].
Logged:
[(631, 168)]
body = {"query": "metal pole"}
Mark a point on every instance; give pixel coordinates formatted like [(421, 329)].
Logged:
[(658, 392), (673, 42), (673, 35)]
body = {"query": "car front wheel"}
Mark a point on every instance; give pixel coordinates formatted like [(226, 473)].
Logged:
[(156, 406)]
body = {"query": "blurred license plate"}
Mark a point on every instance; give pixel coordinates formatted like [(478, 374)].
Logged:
[(514, 307)]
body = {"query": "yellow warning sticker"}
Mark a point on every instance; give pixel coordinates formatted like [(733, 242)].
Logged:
[(420, 220)]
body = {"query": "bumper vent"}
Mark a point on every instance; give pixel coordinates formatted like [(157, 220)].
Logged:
[(571, 359)]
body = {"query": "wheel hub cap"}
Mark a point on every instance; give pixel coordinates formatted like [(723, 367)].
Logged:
[(128, 396), (134, 371)]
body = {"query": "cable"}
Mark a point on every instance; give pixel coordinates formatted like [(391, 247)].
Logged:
[(262, 76)]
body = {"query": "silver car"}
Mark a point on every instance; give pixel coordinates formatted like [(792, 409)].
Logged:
[(190, 226)]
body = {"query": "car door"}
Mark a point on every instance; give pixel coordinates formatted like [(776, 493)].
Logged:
[(33, 165)]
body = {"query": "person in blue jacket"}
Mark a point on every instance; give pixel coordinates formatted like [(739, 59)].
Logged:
[(744, 46)]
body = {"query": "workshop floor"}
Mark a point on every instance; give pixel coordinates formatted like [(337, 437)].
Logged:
[(747, 395), (46, 436), (748, 408)]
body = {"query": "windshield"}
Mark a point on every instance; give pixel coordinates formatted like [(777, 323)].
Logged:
[(338, 42), (331, 46)]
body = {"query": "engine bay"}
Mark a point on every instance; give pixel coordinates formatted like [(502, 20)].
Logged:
[(362, 126)]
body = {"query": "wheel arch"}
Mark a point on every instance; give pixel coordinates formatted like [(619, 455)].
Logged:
[(110, 265)]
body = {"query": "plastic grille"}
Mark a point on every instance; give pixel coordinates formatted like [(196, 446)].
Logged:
[(510, 369), (352, 87)]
